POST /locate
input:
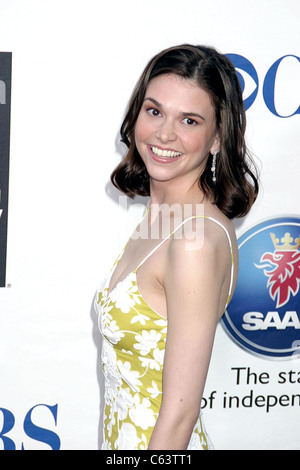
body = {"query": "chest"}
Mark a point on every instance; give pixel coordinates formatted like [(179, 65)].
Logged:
[(128, 322)]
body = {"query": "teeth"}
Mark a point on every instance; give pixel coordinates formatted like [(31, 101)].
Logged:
[(165, 153)]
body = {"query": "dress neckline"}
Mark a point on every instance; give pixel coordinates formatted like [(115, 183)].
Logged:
[(108, 295), (107, 285)]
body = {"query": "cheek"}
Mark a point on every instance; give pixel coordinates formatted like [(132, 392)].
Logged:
[(140, 136), (198, 144), (142, 130), (191, 144)]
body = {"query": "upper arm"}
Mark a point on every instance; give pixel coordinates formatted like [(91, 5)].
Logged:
[(193, 283)]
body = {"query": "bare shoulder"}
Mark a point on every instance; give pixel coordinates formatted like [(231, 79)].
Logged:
[(201, 233), (198, 268), (213, 214), (201, 242), (203, 248)]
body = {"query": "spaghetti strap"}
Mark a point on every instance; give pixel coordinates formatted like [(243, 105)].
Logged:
[(177, 228), (162, 242), (231, 254)]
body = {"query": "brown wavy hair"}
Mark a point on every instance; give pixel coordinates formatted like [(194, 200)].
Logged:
[(236, 186)]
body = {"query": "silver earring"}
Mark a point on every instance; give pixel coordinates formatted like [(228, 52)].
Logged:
[(213, 166)]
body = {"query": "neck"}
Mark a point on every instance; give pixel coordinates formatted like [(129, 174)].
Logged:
[(171, 192)]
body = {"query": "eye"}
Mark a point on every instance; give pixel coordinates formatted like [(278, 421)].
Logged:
[(153, 111), (190, 121)]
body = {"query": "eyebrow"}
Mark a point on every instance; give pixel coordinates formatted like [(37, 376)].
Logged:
[(159, 105)]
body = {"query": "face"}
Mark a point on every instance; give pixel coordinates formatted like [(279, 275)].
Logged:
[(175, 129)]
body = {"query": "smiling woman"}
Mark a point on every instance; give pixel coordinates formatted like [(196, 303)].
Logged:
[(165, 295), (212, 72), (181, 128)]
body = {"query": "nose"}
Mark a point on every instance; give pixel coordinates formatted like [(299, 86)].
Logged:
[(166, 131)]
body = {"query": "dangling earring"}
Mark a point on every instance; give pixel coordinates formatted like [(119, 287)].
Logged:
[(213, 166)]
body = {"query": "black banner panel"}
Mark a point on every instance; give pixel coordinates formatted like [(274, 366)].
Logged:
[(5, 106)]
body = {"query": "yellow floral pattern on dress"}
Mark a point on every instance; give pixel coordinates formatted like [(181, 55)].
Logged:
[(133, 347)]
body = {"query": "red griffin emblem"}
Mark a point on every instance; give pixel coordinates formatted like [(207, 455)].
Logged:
[(282, 268)]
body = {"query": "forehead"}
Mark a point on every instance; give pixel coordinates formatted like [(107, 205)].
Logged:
[(175, 91)]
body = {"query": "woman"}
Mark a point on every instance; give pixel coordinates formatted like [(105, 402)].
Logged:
[(159, 310)]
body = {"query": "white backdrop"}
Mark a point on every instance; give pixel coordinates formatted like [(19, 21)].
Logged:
[(75, 63)]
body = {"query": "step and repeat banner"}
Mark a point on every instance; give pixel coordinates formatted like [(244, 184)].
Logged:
[(67, 69)]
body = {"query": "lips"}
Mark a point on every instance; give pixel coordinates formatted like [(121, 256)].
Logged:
[(164, 155)]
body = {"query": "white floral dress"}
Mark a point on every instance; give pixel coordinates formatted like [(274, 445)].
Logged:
[(133, 347)]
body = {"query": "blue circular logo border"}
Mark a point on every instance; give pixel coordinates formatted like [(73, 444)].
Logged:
[(227, 323)]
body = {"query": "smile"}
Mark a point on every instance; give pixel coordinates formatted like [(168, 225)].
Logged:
[(168, 154)]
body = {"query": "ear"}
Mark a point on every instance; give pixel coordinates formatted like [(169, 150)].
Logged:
[(216, 145)]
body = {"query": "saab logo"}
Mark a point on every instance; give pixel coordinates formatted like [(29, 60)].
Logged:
[(282, 269), (264, 314)]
